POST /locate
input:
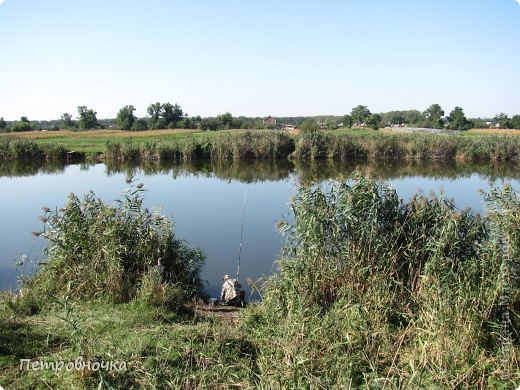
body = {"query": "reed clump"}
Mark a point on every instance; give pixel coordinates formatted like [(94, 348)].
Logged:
[(98, 251), (24, 149), (374, 291)]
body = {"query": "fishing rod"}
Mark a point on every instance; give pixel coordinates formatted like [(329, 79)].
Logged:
[(241, 234)]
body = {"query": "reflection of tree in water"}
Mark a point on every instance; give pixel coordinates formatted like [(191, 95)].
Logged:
[(253, 170), (246, 171), (18, 168), (319, 170)]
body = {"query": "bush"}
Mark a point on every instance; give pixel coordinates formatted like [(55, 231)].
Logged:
[(373, 290), (102, 252)]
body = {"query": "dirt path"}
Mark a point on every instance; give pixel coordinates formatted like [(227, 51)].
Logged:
[(218, 312)]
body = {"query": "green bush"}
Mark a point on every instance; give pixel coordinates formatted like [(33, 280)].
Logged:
[(101, 252), (374, 290)]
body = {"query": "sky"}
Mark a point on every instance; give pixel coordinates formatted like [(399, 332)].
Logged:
[(258, 58)]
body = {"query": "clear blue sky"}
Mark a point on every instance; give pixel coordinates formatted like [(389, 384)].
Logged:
[(258, 58)]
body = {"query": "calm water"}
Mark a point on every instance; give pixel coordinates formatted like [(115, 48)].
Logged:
[(206, 201)]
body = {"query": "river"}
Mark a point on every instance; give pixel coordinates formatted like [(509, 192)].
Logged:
[(206, 202)]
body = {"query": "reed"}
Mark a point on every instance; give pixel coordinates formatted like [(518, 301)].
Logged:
[(372, 292), (375, 292), (97, 251)]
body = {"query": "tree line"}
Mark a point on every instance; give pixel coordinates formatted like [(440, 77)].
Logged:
[(171, 116)]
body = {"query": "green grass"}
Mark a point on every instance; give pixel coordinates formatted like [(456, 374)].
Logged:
[(162, 349), (258, 144)]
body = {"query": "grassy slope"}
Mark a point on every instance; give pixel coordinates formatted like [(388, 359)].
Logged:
[(161, 348), (93, 141)]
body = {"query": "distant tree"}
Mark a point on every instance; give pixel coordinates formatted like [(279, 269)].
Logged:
[(66, 121), (203, 124), (155, 111), (348, 121), (457, 120), (125, 117), (374, 121), (3, 124), (330, 124), (434, 115), (23, 125), (172, 114), (140, 124), (479, 123), (184, 123), (309, 127), (503, 121), (515, 121), (413, 117), (360, 114), (226, 121), (164, 115), (87, 118), (397, 119)]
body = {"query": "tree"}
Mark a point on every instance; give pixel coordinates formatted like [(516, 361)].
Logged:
[(126, 118), (434, 115), (140, 124), (348, 121), (164, 115), (503, 121), (397, 119), (87, 118), (155, 111), (374, 121), (226, 121), (330, 124), (23, 125), (3, 123), (457, 120), (515, 121), (66, 121), (172, 114), (360, 114)]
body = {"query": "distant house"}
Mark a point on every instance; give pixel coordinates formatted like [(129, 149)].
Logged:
[(269, 121)]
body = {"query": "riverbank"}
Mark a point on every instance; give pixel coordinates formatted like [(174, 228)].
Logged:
[(372, 291), (259, 144)]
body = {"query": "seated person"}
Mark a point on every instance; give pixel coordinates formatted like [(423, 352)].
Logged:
[(231, 294)]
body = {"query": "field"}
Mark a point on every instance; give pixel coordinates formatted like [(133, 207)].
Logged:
[(93, 141), (493, 145)]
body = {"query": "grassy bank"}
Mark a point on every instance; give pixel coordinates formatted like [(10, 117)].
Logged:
[(372, 292), (226, 145)]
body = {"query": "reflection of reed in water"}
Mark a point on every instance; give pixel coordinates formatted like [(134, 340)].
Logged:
[(319, 170), (253, 170)]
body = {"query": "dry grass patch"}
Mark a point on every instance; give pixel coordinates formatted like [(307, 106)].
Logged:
[(495, 131), (96, 134)]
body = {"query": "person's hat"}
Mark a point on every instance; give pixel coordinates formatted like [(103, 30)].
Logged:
[(226, 277)]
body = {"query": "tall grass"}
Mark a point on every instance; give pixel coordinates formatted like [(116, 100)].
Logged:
[(228, 145), (18, 149), (372, 292), (404, 146), (376, 292), (98, 251)]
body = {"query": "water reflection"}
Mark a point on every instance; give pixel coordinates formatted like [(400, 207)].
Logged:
[(253, 171)]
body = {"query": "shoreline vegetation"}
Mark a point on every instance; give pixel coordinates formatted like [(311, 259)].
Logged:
[(183, 145), (371, 292)]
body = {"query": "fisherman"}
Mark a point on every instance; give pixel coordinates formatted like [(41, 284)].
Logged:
[(232, 294), (160, 269)]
